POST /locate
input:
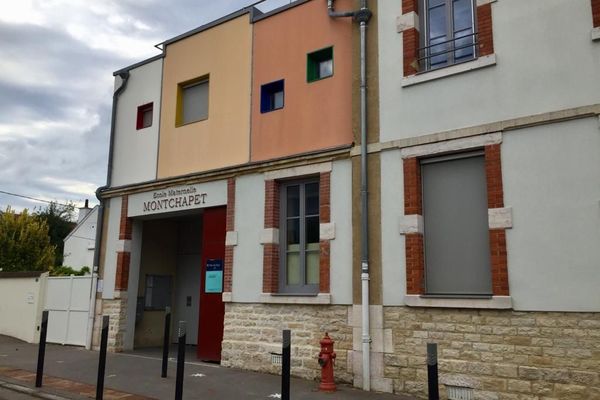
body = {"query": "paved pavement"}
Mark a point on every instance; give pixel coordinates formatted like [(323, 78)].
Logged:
[(138, 374)]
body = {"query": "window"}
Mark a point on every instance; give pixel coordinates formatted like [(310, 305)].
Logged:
[(158, 292), (299, 241), (271, 96), (456, 235), (319, 65), (448, 33), (192, 102), (144, 116)]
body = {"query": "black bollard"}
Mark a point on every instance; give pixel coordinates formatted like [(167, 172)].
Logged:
[(102, 358), (432, 371), (41, 350), (286, 364), (180, 360), (167, 334)]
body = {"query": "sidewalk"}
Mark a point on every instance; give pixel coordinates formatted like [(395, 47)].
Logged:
[(70, 372)]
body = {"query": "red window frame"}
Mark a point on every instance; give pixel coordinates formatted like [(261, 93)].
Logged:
[(141, 110)]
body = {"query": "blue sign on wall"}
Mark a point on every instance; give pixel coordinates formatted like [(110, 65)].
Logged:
[(214, 276)]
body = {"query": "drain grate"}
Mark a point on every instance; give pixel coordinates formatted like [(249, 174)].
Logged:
[(459, 393), (276, 358)]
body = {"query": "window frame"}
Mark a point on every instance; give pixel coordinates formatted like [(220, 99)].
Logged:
[(425, 63), (268, 89), (181, 87), (152, 307), (304, 288), (313, 60), (472, 153), (141, 110)]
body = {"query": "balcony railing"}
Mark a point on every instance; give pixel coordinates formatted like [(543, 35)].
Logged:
[(427, 54)]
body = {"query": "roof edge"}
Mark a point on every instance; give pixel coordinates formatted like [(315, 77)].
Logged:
[(236, 14), (139, 64), (278, 10)]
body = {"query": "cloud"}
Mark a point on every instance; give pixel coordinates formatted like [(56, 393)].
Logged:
[(57, 59)]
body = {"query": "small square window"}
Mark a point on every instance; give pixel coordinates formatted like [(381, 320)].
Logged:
[(158, 292), (271, 96), (319, 64), (192, 102), (144, 116)]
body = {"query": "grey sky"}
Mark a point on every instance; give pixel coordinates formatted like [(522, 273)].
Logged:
[(56, 64)]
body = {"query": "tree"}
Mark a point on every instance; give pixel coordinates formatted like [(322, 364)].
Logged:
[(60, 223), (24, 243)]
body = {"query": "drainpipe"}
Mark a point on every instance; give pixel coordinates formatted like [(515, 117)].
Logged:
[(362, 16), (100, 222)]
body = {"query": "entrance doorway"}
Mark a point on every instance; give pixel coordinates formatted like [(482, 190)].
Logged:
[(181, 266)]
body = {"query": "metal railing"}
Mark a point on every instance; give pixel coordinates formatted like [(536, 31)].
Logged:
[(424, 61)]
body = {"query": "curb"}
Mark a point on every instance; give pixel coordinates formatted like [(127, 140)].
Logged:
[(30, 391)]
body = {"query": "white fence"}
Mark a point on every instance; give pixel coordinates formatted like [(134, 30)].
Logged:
[(21, 303), (68, 301)]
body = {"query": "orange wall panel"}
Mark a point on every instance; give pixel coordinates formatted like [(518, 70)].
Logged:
[(316, 115)]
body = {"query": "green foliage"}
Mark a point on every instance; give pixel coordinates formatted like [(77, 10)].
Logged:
[(63, 270), (24, 243), (60, 223)]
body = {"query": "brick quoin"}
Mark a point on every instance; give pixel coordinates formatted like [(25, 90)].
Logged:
[(412, 187), (271, 251), (410, 45), (230, 226), (493, 172), (122, 274), (596, 13), (324, 245), (410, 6), (270, 268), (126, 224), (495, 194), (484, 30), (415, 265), (499, 262)]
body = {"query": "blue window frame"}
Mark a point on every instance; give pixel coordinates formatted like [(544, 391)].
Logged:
[(272, 96)]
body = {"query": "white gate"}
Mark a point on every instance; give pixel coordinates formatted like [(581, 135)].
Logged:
[(68, 303)]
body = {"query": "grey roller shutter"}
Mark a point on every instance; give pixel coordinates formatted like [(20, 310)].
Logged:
[(195, 102), (457, 255)]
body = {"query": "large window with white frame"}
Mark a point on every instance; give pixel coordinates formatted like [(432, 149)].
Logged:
[(448, 33), (299, 237)]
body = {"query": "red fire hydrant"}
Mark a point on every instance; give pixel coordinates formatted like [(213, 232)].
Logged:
[(327, 361)]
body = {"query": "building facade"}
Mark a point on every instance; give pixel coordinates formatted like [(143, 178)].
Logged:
[(233, 194)]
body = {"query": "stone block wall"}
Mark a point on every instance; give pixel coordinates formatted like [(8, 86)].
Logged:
[(116, 309), (501, 355), (253, 331)]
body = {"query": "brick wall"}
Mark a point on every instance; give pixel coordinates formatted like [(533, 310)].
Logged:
[(484, 28), (230, 227), (413, 242), (123, 257), (324, 217), (596, 13), (252, 331), (503, 355)]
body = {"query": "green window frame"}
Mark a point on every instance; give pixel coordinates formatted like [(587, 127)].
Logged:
[(319, 64)]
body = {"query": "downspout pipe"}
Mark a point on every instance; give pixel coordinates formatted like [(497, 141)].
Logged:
[(362, 16), (100, 222)]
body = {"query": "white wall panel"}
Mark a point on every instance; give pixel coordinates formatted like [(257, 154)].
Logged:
[(551, 179)]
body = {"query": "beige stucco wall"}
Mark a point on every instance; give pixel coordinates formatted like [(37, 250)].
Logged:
[(21, 304), (224, 54)]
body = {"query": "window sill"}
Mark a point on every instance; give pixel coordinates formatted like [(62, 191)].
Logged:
[(275, 298), (596, 34), (494, 302), (481, 62), (179, 125)]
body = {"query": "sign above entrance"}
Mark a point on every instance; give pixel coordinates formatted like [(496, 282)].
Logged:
[(178, 198)]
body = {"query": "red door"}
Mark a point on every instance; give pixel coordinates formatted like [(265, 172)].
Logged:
[(212, 309)]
